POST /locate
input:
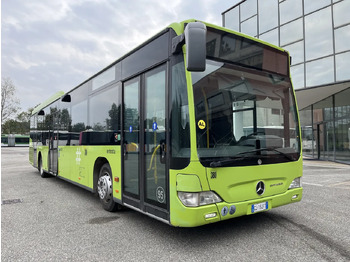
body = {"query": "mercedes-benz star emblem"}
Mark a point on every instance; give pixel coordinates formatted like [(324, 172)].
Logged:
[(260, 188)]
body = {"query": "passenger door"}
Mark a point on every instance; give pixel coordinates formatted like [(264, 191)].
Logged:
[(145, 173)]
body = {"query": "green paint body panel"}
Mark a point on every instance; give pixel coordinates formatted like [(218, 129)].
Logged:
[(76, 163), (188, 183), (44, 152), (236, 186)]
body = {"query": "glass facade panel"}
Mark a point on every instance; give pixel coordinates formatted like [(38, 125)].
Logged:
[(318, 34), (290, 10), (296, 51), (297, 75), (342, 126), (268, 15), (308, 142), (270, 37), (312, 5), (319, 46), (248, 9), (341, 12), (232, 19), (291, 32), (342, 39), (320, 72), (342, 62), (324, 129), (249, 27)]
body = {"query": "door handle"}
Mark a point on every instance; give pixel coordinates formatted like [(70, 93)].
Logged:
[(125, 153), (163, 153)]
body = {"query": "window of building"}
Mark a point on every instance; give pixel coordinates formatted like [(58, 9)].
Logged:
[(296, 51), (342, 39), (312, 5), (341, 13), (320, 72), (270, 37), (318, 34), (268, 15), (342, 62), (248, 9), (290, 10), (232, 19), (297, 75), (249, 26), (342, 126), (291, 32)]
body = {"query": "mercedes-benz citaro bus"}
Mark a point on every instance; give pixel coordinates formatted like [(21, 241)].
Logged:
[(163, 130)]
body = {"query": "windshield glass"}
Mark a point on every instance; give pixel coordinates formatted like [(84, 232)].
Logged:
[(244, 114)]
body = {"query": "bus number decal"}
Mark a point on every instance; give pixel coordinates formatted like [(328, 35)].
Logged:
[(160, 194), (78, 159)]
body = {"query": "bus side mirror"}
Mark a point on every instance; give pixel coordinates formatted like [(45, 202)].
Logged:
[(196, 49)]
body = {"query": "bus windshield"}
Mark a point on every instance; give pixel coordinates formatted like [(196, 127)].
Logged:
[(244, 115)]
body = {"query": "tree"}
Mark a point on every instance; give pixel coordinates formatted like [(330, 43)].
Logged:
[(9, 102), (20, 125)]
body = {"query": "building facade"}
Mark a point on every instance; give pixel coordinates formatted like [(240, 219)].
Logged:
[(317, 36)]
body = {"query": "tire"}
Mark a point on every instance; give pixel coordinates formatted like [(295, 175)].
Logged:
[(105, 189), (43, 174)]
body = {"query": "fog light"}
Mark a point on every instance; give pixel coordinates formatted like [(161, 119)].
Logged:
[(295, 197), (211, 215)]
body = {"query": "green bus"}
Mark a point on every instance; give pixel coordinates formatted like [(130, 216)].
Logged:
[(162, 129), (12, 140)]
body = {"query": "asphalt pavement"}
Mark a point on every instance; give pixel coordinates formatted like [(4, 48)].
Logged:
[(48, 219)]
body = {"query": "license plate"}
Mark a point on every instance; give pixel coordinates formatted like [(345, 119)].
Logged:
[(260, 207)]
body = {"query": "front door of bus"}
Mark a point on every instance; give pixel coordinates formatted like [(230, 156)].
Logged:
[(144, 150)]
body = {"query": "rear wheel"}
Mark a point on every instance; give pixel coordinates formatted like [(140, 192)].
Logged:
[(43, 174), (105, 189)]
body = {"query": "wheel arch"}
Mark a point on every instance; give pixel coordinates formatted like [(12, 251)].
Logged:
[(100, 161), (39, 158)]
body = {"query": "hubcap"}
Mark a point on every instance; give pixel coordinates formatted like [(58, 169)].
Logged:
[(104, 187)]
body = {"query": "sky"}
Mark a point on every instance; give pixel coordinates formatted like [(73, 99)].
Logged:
[(54, 45)]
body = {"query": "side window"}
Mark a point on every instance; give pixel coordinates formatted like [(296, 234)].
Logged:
[(79, 113), (104, 118), (179, 117)]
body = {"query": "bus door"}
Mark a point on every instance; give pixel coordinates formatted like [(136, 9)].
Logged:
[(145, 173), (53, 143), (53, 152)]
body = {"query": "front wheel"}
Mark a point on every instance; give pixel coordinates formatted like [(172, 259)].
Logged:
[(105, 189)]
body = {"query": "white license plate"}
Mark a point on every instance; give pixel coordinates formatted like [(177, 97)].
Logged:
[(260, 207)]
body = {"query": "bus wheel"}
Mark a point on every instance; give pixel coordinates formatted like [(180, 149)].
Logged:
[(43, 174), (105, 189)]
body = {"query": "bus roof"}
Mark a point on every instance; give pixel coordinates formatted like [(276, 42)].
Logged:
[(47, 102), (178, 27)]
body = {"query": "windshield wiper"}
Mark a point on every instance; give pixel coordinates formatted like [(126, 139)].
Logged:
[(221, 163), (267, 149)]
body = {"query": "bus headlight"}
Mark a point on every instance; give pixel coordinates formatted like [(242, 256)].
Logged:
[(295, 183), (191, 199)]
